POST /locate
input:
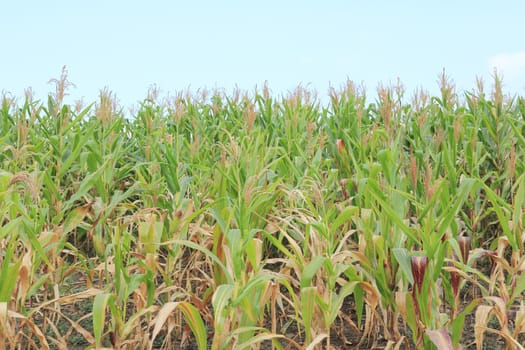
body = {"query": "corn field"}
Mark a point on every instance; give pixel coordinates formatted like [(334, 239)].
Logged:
[(250, 221)]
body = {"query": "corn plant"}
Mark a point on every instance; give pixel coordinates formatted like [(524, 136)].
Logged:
[(246, 220)]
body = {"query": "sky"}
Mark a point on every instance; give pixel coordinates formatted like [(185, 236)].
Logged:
[(129, 46)]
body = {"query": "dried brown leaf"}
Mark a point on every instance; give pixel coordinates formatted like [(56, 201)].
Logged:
[(481, 320), (510, 341), (500, 310), (317, 340), (159, 321), (67, 299)]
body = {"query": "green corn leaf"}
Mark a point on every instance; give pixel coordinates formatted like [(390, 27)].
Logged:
[(359, 296), (35, 243), (338, 299), (12, 228), (86, 185), (256, 283), (220, 301), (519, 200), (192, 317), (402, 257), (520, 286), (50, 185), (465, 188), (458, 323), (497, 206), (8, 276), (310, 270), (78, 145), (99, 315), (378, 194), (259, 338), (343, 217), (308, 309), (410, 316), (74, 218)]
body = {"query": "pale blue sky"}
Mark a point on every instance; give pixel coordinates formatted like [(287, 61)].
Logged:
[(130, 45)]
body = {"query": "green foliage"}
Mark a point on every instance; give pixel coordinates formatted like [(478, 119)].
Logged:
[(228, 221)]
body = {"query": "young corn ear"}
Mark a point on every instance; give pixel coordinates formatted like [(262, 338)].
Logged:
[(455, 278), (340, 145), (464, 245), (419, 266)]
